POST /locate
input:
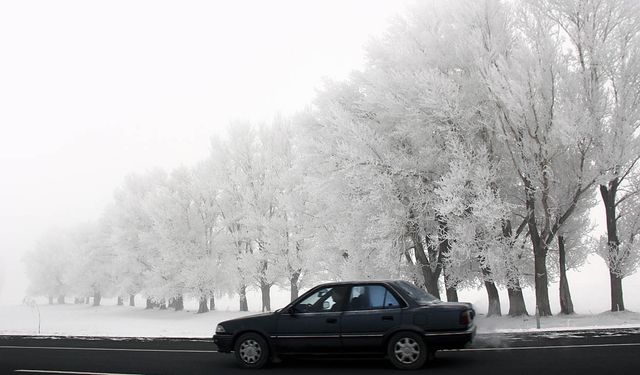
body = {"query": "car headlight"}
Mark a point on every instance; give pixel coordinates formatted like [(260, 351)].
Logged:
[(220, 329)]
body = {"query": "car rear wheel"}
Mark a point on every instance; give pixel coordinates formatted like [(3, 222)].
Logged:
[(407, 351), (252, 350)]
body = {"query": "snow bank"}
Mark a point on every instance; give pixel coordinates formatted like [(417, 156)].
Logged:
[(125, 321), (117, 321), (504, 324)]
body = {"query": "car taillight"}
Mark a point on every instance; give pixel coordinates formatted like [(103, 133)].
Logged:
[(465, 317)]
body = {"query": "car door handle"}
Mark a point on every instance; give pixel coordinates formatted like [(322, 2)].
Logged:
[(332, 320), (387, 317)]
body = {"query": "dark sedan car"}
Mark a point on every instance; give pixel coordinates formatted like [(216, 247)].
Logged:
[(394, 318)]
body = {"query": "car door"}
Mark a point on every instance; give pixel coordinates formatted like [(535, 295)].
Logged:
[(371, 311), (313, 324)]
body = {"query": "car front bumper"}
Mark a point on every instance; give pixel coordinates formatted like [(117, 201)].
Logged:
[(224, 342)]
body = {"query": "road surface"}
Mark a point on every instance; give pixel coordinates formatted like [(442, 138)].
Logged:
[(541, 353)]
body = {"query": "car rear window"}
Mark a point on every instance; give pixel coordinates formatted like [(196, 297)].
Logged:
[(368, 297), (419, 295)]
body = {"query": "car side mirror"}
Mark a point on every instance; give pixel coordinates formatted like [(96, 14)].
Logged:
[(291, 310)]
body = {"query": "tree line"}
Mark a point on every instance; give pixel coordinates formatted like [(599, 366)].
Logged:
[(468, 152)]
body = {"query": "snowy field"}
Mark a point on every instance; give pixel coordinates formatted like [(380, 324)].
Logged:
[(589, 291), (125, 321)]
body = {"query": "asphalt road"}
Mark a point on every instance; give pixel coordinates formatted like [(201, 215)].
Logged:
[(575, 352)]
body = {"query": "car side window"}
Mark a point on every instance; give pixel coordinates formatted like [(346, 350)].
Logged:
[(371, 297), (324, 300)]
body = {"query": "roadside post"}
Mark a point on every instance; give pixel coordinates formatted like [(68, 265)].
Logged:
[(34, 305)]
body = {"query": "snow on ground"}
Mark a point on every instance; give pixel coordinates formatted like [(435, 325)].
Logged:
[(125, 321), (623, 319), (118, 321), (589, 292)]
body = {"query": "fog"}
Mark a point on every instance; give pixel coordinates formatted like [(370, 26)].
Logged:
[(93, 91)]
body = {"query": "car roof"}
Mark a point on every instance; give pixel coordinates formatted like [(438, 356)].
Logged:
[(351, 282)]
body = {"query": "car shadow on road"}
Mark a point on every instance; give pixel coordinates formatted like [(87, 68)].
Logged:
[(443, 364)]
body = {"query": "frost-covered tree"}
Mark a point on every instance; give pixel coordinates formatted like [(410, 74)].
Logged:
[(131, 232), (604, 40), (389, 128), (294, 224), (93, 260), (253, 165), (377, 133), (175, 239), (574, 244), (474, 215), (230, 205), (48, 266), (625, 259), (528, 79)]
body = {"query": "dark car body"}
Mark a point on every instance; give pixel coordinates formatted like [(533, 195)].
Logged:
[(336, 322)]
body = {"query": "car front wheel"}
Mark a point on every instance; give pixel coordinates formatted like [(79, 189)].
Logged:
[(407, 351), (252, 350)]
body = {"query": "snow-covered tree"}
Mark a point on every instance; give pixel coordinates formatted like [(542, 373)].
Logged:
[(624, 260), (550, 149), (93, 260), (131, 232), (604, 40), (48, 266)]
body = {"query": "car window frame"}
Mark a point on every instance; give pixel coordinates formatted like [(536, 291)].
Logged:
[(402, 303), (292, 305), (408, 297)]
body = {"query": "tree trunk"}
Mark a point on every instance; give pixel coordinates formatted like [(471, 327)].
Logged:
[(431, 268), (212, 303), (617, 302), (265, 290), (566, 304), (429, 275), (178, 303), (96, 299), (514, 290), (431, 281), (203, 308), (541, 278), (293, 282), (452, 294), (150, 304), (517, 306), (608, 194), (87, 300), (492, 293), (542, 284), (132, 300), (244, 306), (61, 299), (120, 301), (450, 290), (494, 299)]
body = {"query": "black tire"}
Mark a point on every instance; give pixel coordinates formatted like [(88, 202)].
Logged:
[(251, 350), (407, 351)]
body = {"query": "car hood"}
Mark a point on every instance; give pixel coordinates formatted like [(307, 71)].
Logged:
[(247, 318), (264, 322)]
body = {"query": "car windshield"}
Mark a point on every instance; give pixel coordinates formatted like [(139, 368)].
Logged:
[(419, 295), (324, 300)]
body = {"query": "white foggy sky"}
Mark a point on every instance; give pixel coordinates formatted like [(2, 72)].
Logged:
[(93, 90)]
